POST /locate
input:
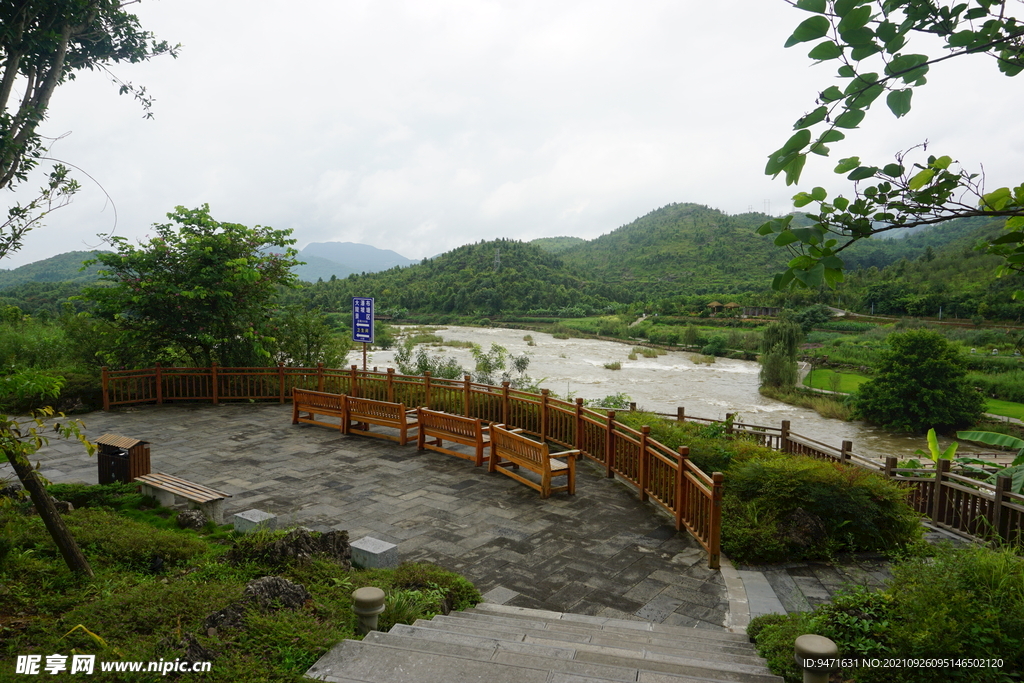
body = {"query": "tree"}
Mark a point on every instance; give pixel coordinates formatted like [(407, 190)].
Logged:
[(20, 438), (870, 39), (779, 347), (919, 383), (199, 288), (43, 44), (304, 339)]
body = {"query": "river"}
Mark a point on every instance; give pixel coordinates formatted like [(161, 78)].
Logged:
[(576, 367)]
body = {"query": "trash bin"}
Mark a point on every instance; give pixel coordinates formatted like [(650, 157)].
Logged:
[(121, 458)]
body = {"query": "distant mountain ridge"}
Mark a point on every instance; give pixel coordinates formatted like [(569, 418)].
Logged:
[(341, 259), (65, 267)]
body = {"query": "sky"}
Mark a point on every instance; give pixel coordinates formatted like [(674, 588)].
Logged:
[(421, 126)]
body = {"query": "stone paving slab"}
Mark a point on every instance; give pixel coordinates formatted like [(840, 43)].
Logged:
[(601, 552)]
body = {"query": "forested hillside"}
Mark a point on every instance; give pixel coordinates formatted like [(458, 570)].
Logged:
[(61, 268), (485, 279)]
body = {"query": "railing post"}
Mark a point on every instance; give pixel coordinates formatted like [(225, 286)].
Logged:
[(320, 376), (643, 466), (938, 511), (684, 467), (214, 382), (632, 406), (280, 382), (580, 432), (728, 423), (106, 388), (426, 389), (784, 437), (890, 465), (609, 446), (844, 452), (544, 394), (391, 385), (353, 384), (715, 530), (466, 379), (504, 404), (1003, 484), (680, 414), (159, 384)]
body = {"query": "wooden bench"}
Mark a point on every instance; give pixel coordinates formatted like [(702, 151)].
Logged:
[(442, 427), (360, 413), (534, 456), (314, 403), (164, 487)]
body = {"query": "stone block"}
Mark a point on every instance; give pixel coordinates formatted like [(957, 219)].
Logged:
[(251, 520), (373, 553)]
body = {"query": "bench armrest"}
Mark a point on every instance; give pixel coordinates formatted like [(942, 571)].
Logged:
[(565, 454)]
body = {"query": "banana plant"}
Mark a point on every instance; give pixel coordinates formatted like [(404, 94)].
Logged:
[(933, 449), (1016, 469)]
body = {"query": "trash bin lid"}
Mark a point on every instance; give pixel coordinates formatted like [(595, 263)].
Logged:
[(118, 441)]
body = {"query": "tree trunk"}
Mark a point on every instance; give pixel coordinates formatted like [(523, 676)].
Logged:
[(69, 549)]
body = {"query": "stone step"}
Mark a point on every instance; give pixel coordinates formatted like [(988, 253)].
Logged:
[(444, 631), (638, 641), (604, 623), (573, 626), (571, 631), (376, 661)]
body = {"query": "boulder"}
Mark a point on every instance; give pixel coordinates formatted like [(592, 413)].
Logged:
[(191, 519)]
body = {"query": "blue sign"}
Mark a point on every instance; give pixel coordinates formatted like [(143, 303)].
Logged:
[(362, 319)]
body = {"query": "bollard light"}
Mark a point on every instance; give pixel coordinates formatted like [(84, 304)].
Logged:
[(817, 656), (367, 603)]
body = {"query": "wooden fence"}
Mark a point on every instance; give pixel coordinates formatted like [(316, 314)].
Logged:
[(665, 477)]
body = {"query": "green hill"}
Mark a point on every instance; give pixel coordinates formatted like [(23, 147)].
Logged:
[(60, 268), (557, 245)]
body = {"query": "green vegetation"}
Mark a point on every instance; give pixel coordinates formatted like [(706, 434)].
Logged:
[(780, 507), (1004, 408), (137, 608), (778, 355), (831, 380), (616, 365), (918, 384), (961, 602)]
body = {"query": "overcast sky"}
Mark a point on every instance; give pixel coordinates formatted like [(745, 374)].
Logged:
[(419, 126)]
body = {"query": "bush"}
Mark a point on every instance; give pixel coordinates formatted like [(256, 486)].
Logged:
[(716, 346), (460, 593), (116, 495)]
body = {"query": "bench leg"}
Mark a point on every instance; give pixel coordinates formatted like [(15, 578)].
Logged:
[(214, 510), (163, 498)]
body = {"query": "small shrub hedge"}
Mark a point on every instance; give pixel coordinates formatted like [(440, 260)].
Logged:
[(779, 507)]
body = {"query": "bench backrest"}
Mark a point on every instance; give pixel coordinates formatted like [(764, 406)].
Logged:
[(377, 409), (468, 427), (317, 399), (514, 447)]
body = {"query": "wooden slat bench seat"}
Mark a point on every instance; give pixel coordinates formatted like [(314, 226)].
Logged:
[(314, 403), (443, 427), (360, 413), (517, 450), (164, 487)]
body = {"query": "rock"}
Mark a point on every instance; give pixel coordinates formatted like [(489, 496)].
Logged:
[(802, 530), (298, 545), (232, 616), (11, 490), (270, 591), (191, 519)]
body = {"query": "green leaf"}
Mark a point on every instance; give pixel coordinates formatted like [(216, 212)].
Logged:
[(809, 29), (921, 179), (846, 71), (862, 172), (858, 37), (942, 162), (899, 101), (854, 19), (832, 135), (893, 170), (794, 168), (847, 165), (814, 117), (784, 238), (825, 50), (782, 280), (862, 52), (841, 203), (818, 194), (1011, 238), (850, 118), (961, 39), (997, 199), (812, 5), (831, 94), (992, 439), (811, 278), (1014, 222)]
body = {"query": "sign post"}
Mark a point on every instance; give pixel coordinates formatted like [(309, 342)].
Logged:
[(362, 322)]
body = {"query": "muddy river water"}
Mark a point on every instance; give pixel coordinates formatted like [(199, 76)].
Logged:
[(576, 366)]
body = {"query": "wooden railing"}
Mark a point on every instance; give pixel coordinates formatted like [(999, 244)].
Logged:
[(665, 477), (965, 506)]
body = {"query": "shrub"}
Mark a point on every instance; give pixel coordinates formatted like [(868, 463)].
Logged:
[(716, 346), (613, 366), (116, 495), (419, 575)]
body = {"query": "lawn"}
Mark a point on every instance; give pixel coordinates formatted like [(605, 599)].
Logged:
[(823, 379), (1005, 408)]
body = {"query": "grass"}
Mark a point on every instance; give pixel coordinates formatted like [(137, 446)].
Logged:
[(1005, 408), (140, 610), (613, 366), (824, 378), (826, 406)]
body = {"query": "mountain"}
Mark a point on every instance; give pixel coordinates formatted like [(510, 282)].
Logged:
[(556, 245), (348, 257), (61, 268)]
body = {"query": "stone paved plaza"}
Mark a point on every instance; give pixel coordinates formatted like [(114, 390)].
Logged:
[(600, 552)]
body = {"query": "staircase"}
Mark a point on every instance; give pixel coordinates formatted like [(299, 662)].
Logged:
[(502, 644)]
